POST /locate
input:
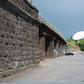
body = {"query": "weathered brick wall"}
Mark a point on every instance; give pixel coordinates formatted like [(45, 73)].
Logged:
[(25, 6), (18, 39)]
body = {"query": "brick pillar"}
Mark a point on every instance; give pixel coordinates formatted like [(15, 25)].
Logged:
[(52, 47), (61, 49), (57, 49), (42, 46), (49, 44), (64, 49)]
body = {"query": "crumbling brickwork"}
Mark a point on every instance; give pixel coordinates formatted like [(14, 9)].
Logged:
[(18, 35)]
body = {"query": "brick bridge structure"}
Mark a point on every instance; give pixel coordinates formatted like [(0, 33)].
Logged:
[(25, 39)]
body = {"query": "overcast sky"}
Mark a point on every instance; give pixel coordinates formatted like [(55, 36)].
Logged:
[(66, 15)]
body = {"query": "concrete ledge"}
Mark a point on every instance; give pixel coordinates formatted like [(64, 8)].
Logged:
[(14, 71)]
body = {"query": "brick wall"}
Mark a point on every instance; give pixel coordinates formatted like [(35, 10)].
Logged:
[(18, 38), (25, 6)]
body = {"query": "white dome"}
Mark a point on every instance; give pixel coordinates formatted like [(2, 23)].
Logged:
[(78, 35)]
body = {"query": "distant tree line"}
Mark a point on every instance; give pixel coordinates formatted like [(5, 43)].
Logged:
[(73, 43)]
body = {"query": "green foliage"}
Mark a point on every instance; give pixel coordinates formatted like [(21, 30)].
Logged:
[(81, 44), (71, 43)]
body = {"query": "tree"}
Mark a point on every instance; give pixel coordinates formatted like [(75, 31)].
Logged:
[(71, 43), (81, 44)]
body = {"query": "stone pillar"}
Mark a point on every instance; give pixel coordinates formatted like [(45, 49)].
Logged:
[(65, 49), (42, 46), (60, 48), (49, 46), (52, 47), (55, 48)]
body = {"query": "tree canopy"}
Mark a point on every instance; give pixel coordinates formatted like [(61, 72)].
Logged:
[(73, 44), (81, 44)]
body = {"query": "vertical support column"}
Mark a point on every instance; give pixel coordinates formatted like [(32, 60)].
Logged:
[(65, 48), (49, 47), (61, 52), (60, 48), (43, 49), (42, 46), (56, 48), (52, 47)]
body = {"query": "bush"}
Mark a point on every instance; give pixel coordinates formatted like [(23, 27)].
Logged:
[(81, 44)]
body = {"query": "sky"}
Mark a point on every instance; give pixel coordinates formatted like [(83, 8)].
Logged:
[(66, 15)]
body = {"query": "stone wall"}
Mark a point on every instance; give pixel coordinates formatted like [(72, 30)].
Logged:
[(24, 40), (50, 44), (26, 7), (18, 35)]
